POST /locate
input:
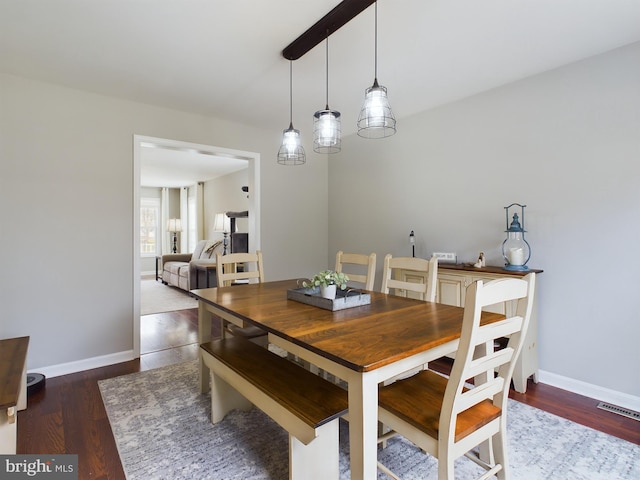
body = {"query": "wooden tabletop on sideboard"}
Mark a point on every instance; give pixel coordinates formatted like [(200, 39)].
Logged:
[(488, 269)]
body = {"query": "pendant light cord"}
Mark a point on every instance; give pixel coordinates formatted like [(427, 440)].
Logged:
[(290, 93), (327, 60), (375, 43)]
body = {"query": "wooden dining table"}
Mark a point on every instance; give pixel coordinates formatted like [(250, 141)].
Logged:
[(363, 346)]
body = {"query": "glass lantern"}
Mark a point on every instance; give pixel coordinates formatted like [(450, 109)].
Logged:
[(515, 249)]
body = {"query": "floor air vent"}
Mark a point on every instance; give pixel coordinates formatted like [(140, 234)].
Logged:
[(625, 412)]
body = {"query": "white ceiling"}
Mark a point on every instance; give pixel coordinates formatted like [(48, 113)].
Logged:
[(222, 57), (162, 166)]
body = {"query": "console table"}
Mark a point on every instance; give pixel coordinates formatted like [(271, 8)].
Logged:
[(13, 395), (453, 280)]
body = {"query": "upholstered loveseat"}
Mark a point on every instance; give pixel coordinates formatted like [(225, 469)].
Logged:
[(178, 269)]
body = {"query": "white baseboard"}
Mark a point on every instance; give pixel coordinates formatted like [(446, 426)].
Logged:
[(602, 394), (85, 364)]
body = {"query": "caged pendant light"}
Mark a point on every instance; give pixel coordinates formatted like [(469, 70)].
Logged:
[(376, 119), (326, 123), (291, 151)]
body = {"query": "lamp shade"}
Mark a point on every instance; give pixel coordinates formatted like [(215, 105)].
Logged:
[(326, 131), (376, 118), (291, 151), (221, 223), (174, 225)]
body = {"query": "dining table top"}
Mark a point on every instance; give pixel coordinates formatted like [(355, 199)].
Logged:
[(362, 338)]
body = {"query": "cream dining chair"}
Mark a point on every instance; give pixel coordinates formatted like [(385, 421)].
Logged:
[(418, 276), (252, 272), (448, 418), (355, 261), (227, 268), (424, 268)]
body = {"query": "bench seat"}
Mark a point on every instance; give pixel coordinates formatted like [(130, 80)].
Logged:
[(13, 391), (307, 406)]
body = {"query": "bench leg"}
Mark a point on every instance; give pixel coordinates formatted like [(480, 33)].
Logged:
[(8, 431), (225, 398), (319, 460)]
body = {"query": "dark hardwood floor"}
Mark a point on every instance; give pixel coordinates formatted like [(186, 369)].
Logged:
[(68, 416)]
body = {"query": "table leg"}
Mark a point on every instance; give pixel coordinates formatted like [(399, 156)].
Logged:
[(204, 335), (363, 426)]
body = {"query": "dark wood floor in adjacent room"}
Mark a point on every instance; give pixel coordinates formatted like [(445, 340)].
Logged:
[(68, 416)]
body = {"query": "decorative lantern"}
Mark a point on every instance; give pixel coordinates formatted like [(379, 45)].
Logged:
[(515, 249)]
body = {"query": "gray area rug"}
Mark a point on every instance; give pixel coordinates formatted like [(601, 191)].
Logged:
[(163, 431), (155, 297)]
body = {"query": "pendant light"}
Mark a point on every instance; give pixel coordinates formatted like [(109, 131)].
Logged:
[(376, 119), (291, 151), (326, 123)]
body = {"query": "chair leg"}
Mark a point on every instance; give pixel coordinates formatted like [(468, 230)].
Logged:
[(499, 442), (485, 452), (445, 468), (445, 461), (382, 429)]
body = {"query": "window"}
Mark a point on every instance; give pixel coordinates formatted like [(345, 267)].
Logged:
[(149, 226)]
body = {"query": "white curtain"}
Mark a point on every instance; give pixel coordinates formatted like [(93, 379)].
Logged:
[(185, 241), (199, 211), (165, 242), (192, 215)]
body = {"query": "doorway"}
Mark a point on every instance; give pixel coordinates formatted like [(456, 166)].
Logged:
[(140, 142)]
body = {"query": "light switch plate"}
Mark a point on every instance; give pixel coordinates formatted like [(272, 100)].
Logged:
[(445, 257)]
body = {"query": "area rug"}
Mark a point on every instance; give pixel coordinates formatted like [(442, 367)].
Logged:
[(155, 297), (162, 429)]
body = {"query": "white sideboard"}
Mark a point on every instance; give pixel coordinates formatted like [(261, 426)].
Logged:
[(453, 280)]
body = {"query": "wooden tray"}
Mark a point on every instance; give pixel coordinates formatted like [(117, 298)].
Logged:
[(348, 298)]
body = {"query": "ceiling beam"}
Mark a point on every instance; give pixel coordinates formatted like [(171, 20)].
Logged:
[(330, 23)]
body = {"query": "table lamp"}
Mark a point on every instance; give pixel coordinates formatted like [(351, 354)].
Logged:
[(174, 225), (222, 224)]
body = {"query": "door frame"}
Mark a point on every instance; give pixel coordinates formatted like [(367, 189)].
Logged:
[(253, 159)]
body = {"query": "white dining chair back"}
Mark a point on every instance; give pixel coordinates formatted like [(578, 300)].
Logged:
[(426, 269), (449, 418), (354, 261), (229, 274), (227, 268)]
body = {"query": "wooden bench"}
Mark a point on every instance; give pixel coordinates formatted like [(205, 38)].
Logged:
[(307, 406), (13, 389)]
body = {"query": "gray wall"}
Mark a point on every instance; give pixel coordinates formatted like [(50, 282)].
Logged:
[(224, 194), (66, 196), (565, 143)]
